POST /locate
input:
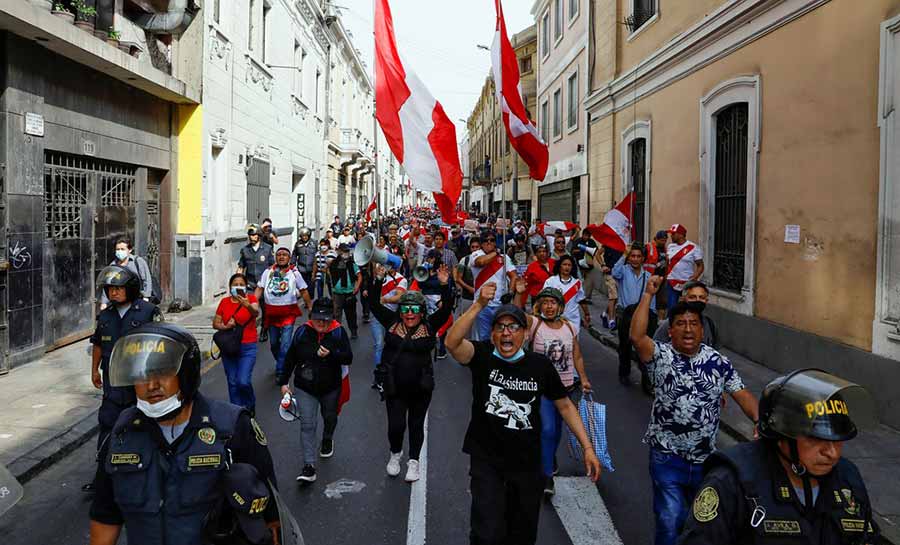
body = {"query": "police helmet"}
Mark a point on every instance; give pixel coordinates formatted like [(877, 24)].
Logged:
[(813, 403), (553, 293), (304, 232), (412, 297), (116, 275), (153, 350)]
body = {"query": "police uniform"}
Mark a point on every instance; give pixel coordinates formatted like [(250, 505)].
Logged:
[(163, 492), (254, 262), (111, 327), (304, 256)]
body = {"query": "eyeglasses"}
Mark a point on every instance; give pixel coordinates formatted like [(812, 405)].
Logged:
[(512, 327), (410, 309), (491, 240)]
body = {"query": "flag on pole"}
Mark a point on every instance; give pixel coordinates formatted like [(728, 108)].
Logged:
[(615, 231), (549, 227), (344, 396), (371, 208), (523, 135), (414, 124)]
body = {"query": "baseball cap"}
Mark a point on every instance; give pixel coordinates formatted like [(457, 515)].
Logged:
[(248, 496), (343, 246), (662, 234), (513, 312), (678, 228), (252, 229), (323, 309)]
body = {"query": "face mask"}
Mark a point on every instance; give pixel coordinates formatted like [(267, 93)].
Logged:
[(699, 305), (515, 357), (323, 248), (121, 254), (158, 410), (235, 291), (548, 318)]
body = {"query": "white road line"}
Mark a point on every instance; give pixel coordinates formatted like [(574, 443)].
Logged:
[(415, 527), (583, 513)]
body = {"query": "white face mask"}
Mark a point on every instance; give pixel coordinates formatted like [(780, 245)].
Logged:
[(158, 410), (121, 254)]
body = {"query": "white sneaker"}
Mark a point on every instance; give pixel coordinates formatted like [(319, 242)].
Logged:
[(412, 471), (393, 466)]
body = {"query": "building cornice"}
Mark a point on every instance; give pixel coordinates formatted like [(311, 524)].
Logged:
[(730, 27)]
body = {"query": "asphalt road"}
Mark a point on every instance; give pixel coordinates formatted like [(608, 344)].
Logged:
[(54, 510)]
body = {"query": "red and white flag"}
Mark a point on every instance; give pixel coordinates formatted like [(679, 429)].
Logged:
[(523, 135), (615, 231), (415, 126), (371, 208), (344, 396), (550, 227)]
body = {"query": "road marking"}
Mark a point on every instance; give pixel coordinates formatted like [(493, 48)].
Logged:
[(415, 526), (583, 513)]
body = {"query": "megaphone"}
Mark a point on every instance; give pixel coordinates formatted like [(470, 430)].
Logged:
[(583, 263), (365, 252), (422, 272), (287, 409), (587, 249)]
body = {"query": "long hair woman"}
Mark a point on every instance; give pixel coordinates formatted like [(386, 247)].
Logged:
[(565, 279), (406, 372), (239, 309)]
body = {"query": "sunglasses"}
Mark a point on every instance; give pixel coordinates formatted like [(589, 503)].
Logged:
[(489, 240), (410, 309), (512, 327)]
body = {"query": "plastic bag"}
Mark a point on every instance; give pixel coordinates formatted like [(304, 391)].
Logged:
[(593, 416)]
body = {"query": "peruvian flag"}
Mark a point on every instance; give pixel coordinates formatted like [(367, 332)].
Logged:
[(550, 227), (615, 231), (371, 208), (522, 133), (414, 124), (345, 387)]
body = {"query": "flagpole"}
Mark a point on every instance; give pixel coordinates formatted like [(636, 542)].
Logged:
[(377, 178)]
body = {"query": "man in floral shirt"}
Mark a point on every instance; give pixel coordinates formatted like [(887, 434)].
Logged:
[(689, 379)]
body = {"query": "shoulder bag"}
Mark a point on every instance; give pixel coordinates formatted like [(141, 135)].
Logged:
[(229, 340)]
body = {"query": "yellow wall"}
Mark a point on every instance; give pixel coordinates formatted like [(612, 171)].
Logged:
[(190, 169), (818, 164)]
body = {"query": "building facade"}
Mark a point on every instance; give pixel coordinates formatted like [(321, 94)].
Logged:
[(98, 142), (489, 159), (752, 123), (562, 75)]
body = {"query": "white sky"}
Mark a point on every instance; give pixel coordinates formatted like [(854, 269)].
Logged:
[(437, 38)]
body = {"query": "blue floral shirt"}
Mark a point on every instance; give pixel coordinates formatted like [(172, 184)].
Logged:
[(684, 418)]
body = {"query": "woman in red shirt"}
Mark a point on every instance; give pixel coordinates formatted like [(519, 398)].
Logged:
[(538, 271), (239, 310)]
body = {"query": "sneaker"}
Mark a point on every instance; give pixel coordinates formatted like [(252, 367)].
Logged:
[(612, 325), (442, 355), (412, 471), (605, 319), (308, 475), (327, 450), (393, 466), (549, 487), (555, 467), (366, 319)]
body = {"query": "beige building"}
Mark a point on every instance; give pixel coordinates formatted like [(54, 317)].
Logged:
[(489, 156), (562, 69), (768, 129)]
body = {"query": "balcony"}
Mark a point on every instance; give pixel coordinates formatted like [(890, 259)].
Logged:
[(482, 175)]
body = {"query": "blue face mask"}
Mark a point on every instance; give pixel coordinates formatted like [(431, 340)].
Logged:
[(515, 357)]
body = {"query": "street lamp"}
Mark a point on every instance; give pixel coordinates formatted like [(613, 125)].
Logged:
[(480, 46)]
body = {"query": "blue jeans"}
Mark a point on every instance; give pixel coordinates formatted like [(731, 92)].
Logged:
[(674, 295), (378, 337), (551, 433), (239, 372), (280, 340), (675, 483), (320, 287), (483, 323)]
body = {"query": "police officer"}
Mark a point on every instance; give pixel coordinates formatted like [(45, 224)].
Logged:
[(126, 311), (256, 257), (304, 255), (792, 486), (169, 454)]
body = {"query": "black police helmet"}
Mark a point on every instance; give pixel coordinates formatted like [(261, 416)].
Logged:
[(189, 370), (118, 276)]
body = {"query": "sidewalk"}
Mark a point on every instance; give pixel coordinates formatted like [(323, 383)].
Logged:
[(876, 452), (50, 406)]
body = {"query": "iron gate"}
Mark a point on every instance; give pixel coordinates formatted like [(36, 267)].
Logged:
[(258, 191), (730, 197)]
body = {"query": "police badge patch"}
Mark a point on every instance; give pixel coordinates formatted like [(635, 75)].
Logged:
[(207, 435), (706, 505), (260, 436)]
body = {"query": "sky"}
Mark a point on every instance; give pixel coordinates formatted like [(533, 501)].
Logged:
[(438, 39)]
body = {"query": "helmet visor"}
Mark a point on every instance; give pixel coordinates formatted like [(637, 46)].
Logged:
[(820, 405), (112, 276), (143, 357)]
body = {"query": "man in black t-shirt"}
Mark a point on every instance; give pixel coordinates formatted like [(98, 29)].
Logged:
[(504, 435)]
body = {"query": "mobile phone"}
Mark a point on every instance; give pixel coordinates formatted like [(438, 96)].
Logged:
[(242, 291), (660, 270)]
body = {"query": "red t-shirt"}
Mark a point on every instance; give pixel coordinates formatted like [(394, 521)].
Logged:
[(227, 308), (536, 275)]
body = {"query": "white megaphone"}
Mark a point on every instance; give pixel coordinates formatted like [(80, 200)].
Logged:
[(422, 272), (365, 252), (287, 408), (587, 249)]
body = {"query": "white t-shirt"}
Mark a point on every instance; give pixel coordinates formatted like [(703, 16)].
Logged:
[(393, 286), (684, 269), (281, 288), (552, 238), (333, 242), (498, 276), (346, 239), (573, 294)]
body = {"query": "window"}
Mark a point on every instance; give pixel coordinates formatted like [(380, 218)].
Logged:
[(545, 121), (299, 59), (525, 65), (545, 34), (263, 35), (557, 19), (573, 8), (637, 152), (641, 12), (572, 98), (730, 206), (217, 13), (557, 113), (316, 101), (251, 26)]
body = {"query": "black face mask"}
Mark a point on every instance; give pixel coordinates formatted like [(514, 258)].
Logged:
[(699, 306)]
